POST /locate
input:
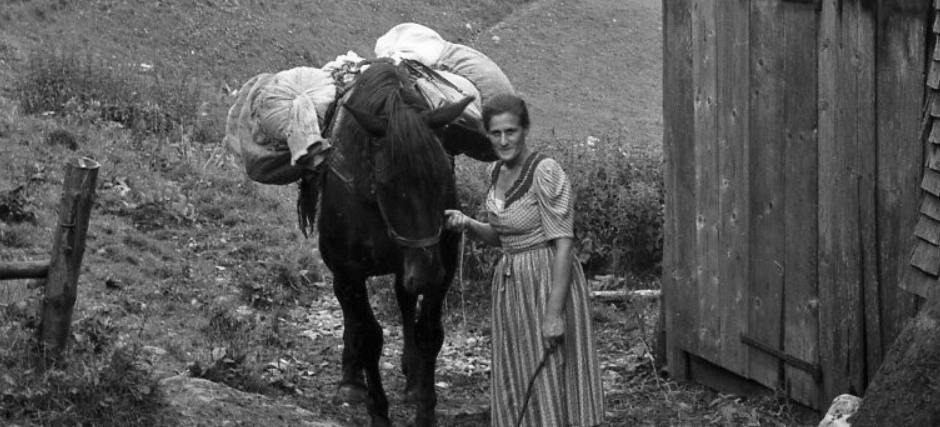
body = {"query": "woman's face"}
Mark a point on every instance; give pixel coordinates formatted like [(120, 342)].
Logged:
[(508, 138)]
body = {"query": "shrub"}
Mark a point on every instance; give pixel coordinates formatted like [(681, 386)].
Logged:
[(619, 202), (97, 385)]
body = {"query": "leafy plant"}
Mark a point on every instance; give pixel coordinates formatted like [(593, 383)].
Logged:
[(618, 203), (98, 383)]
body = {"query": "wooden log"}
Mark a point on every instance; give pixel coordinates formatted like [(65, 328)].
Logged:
[(624, 295), (68, 247), (24, 270), (904, 390)]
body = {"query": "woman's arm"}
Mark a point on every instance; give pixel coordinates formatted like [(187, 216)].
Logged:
[(553, 324), (457, 221)]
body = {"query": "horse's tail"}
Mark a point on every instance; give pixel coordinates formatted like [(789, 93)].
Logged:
[(308, 198)]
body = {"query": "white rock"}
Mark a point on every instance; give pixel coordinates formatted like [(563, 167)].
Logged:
[(843, 407)]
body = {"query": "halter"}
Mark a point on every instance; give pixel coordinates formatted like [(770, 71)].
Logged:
[(406, 241)]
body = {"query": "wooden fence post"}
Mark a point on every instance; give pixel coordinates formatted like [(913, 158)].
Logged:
[(68, 246)]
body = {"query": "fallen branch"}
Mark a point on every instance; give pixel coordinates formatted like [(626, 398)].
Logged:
[(623, 295)]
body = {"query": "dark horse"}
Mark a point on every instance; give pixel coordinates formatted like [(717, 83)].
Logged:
[(382, 201)]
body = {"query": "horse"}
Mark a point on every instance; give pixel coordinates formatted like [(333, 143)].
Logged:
[(382, 196)]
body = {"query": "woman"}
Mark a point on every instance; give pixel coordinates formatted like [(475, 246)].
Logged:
[(540, 299)]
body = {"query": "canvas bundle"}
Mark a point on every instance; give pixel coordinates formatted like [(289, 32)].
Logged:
[(276, 120)]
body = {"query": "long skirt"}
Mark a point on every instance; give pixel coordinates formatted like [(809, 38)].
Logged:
[(568, 391)]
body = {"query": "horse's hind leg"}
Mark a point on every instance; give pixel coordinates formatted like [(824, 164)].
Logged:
[(362, 347)]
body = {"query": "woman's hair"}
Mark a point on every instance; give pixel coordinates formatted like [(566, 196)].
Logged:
[(506, 103)]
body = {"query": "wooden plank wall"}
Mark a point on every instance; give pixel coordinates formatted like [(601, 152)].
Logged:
[(785, 195), (800, 289), (679, 292), (767, 118), (902, 28), (707, 222), (733, 103), (840, 214)]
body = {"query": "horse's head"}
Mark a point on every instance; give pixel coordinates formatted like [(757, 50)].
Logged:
[(413, 175)]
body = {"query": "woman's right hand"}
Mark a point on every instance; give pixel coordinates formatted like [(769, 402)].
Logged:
[(456, 220)]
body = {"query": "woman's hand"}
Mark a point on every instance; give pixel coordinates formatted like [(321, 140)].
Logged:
[(553, 329), (456, 220)]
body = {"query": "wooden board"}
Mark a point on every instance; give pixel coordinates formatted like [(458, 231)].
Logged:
[(800, 294), (767, 188), (704, 80), (868, 156), (733, 59), (901, 63), (841, 358), (679, 294)]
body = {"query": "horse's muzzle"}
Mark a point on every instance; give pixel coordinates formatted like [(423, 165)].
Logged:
[(422, 268)]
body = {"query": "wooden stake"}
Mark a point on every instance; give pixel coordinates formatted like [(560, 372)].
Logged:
[(68, 246)]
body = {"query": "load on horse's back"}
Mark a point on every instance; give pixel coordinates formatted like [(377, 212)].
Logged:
[(371, 144)]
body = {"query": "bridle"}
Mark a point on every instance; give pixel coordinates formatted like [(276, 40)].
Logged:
[(398, 238), (407, 241)]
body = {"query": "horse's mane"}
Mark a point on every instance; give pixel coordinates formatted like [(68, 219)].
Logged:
[(415, 156)]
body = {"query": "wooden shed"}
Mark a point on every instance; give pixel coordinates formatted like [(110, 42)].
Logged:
[(796, 139)]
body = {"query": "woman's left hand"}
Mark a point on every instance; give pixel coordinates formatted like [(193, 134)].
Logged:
[(553, 329)]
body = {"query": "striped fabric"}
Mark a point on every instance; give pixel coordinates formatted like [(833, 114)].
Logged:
[(568, 391)]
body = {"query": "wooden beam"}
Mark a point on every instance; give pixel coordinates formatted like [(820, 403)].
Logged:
[(24, 270), (679, 291)]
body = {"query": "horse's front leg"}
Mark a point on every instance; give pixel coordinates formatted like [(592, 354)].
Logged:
[(362, 348), (409, 355), (423, 333)]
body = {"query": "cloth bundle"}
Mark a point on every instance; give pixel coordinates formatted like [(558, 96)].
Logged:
[(276, 120), (474, 73)]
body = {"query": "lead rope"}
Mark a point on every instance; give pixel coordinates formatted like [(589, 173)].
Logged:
[(460, 281)]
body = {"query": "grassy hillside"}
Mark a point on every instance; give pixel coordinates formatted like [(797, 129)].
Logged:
[(230, 40)]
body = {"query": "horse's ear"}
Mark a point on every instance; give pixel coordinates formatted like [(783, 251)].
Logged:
[(442, 116), (373, 124)]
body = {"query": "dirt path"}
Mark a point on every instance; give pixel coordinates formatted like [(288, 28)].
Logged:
[(602, 77)]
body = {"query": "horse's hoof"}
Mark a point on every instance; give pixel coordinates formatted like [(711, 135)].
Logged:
[(352, 394)]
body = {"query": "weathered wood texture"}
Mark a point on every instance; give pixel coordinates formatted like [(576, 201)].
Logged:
[(794, 157), (900, 76), (921, 277), (24, 270), (68, 247), (800, 323), (679, 292), (733, 102)]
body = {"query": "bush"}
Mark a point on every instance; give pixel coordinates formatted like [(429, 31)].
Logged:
[(97, 384), (61, 82), (618, 203)]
